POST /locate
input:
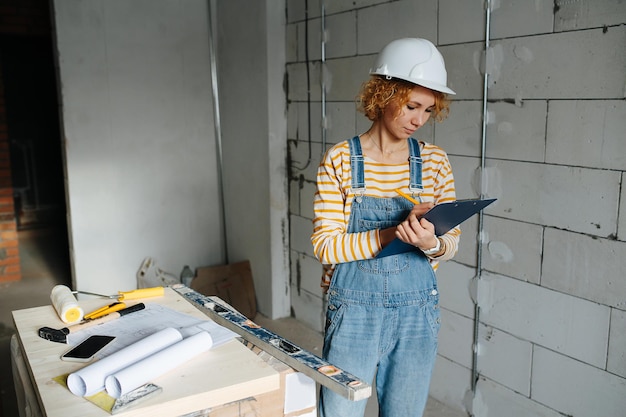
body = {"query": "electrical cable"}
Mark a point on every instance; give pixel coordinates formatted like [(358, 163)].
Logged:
[(308, 82)]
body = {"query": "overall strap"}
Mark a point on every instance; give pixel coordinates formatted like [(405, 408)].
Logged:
[(415, 167), (356, 165)]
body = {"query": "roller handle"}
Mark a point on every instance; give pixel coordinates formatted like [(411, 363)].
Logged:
[(141, 293)]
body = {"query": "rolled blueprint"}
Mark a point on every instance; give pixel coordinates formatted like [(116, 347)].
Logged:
[(66, 304), (157, 364), (90, 379)]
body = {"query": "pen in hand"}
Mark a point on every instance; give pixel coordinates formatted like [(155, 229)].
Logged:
[(418, 212), (408, 197)]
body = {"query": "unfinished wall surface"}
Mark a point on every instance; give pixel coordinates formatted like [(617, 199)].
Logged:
[(253, 125), (550, 283), (138, 136), (142, 159)]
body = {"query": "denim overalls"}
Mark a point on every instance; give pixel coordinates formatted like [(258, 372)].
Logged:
[(383, 315)]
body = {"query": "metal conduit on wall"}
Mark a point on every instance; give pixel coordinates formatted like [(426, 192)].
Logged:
[(323, 77), (308, 86), (479, 255), (218, 127)]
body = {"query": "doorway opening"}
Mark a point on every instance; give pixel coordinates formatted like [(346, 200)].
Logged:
[(34, 139)]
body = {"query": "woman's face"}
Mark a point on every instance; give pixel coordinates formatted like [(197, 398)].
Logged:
[(402, 120)]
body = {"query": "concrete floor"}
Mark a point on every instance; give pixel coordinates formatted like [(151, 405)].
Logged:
[(44, 264), (312, 341)]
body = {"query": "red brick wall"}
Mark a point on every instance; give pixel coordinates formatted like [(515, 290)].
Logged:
[(21, 18), (9, 250)]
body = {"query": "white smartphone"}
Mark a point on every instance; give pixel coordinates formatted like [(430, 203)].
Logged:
[(85, 351)]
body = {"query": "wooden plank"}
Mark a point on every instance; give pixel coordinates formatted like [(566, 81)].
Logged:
[(301, 360)]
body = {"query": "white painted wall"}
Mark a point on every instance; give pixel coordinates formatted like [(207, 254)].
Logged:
[(251, 67), (552, 291), (140, 145), (138, 138)]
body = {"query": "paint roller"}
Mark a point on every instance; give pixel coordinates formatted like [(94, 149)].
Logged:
[(70, 312), (66, 304)]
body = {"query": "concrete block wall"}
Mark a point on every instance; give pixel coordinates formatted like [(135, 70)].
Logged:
[(551, 289)]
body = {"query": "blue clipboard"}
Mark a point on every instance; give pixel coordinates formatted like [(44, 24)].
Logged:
[(444, 216)]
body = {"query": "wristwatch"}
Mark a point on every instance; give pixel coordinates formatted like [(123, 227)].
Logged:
[(434, 250)]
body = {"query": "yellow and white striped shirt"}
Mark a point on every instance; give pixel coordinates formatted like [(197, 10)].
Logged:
[(332, 244)]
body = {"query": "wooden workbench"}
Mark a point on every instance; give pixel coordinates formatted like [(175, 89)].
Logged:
[(225, 374)]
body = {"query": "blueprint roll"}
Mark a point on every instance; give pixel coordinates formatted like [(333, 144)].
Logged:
[(139, 373), (90, 379), (66, 304)]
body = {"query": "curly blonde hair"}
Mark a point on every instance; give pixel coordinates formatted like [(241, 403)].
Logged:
[(378, 92)]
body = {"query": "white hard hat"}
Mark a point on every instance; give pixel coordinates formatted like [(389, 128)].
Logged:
[(414, 60)]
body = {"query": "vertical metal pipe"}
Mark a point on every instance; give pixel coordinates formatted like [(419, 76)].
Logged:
[(218, 127), (308, 85), (323, 78), (479, 255)]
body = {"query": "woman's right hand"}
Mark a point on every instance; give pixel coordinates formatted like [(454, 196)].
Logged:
[(417, 231), (389, 234)]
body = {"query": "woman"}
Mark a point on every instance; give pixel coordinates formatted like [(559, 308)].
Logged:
[(382, 318)]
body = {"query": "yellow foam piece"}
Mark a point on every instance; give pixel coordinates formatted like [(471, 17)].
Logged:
[(101, 399)]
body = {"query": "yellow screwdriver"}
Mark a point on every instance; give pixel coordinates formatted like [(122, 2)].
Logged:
[(121, 296), (130, 295)]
